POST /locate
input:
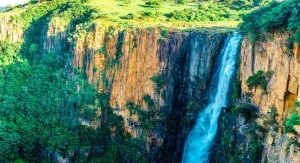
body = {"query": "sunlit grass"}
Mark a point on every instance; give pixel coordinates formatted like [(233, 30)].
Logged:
[(115, 10)]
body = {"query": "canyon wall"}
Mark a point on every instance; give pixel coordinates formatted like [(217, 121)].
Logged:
[(10, 30), (276, 56), (172, 67), (183, 61), (273, 55)]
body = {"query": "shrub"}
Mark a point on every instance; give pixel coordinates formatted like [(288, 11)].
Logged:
[(290, 122), (149, 101), (297, 104), (149, 14), (160, 81), (153, 3), (8, 53), (209, 12), (181, 1), (164, 33), (260, 78), (129, 16)]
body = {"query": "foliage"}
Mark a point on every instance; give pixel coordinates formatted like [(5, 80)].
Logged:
[(153, 3), (164, 33), (42, 101), (274, 16), (297, 104), (149, 101), (236, 86), (255, 147), (290, 122), (39, 109), (129, 16), (260, 78), (271, 121), (210, 12), (148, 14), (133, 108), (226, 149), (181, 1), (8, 53), (159, 80), (247, 110)]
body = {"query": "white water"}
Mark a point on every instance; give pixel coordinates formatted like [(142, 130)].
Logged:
[(200, 139)]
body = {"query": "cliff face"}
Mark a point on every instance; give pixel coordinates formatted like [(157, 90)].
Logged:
[(273, 55), (173, 68), (124, 62), (10, 30), (180, 59), (282, 92)]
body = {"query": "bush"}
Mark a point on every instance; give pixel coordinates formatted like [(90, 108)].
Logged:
[(164, 33), (129, 16), (260, 78), (160, 81), (181, 1), (8, 53), (149, 14), (209, 12), (290, 122), (297, 104), (274, 16), (153, 3)]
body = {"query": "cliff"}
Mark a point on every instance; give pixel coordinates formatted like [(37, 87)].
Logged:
[(274, 55), (10, 30), (130, 59), (169, 68)]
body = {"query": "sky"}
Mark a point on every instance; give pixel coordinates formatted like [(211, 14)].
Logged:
[(4, 3)]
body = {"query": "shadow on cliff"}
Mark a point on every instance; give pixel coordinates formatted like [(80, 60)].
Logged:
[(186, 93)]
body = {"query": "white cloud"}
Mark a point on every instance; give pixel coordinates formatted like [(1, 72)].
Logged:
[(12, 2)]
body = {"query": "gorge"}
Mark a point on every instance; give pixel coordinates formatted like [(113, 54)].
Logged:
[(200, 139), (144, 82)]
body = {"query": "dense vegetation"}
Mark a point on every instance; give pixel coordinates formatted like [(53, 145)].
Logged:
[(44, 103), (276, 16), (260, 78), (216, 11), (293, 119)]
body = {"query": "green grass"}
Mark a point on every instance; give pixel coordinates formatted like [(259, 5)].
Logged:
[(114, 12), (135, 14)]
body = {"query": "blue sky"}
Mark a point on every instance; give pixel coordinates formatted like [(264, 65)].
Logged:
[(12, 2)]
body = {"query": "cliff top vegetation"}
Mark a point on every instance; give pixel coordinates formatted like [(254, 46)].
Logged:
[(276, 16), (151, 13)]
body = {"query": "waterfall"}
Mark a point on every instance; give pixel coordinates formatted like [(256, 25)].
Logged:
[(200, 139)]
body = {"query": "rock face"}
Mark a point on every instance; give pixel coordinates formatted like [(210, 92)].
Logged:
[(273, 54), (122, 62), (10, 30), (278, 149), (182, 58)]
